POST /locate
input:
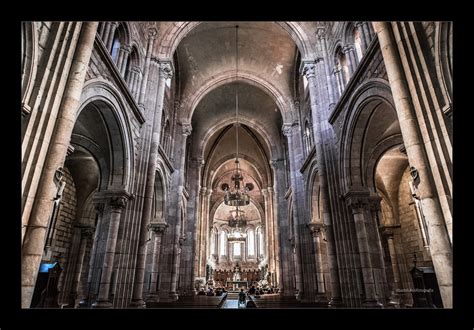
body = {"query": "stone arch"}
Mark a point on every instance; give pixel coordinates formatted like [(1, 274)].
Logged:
[(374, 92), (108, 101), (189, 105), (177, 31), (159, 200)]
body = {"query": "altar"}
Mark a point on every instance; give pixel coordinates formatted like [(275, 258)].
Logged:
[(237, 285)]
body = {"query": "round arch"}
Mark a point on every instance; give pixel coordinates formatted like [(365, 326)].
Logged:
[(99, 91), (226, 77), (177, 31), (373, 90)]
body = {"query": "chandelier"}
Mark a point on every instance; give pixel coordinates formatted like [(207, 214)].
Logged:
[(237, 195), (237, 224)]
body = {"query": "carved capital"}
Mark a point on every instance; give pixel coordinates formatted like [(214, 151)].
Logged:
[(321, 32), (386, 232), (182, 239), (99, 208), (309, 70), (166, 72), (87, 232), (118, 203), (402, 149), (158, 227), (374, 203), (287, 129), (357, 200), (315, 228), (347, 49), (152, 33), (186, 128)]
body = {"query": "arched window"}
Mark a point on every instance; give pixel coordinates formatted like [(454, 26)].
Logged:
[(260, 241), (358, 44), (116, 46), (251, 242), (213, 241), (222, 243)]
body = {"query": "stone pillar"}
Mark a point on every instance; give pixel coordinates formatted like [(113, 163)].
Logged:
[(316, 231), (116, 205), (387, 232), (295, 152), (158, 229), (365, 35), (34, 239), (137, 298), (112, 26), (86, 235), (440, 247), (123, 58), (152, 33), (360, 208), (348, 50), (85, 293), (310, 72)]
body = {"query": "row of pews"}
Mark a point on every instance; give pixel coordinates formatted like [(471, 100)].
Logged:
[(277, 301), (191, 302)]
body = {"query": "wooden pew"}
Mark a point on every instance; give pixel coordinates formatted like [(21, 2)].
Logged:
[(191, 302)]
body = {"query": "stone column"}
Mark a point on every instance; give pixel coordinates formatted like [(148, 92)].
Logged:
[(348, 50), (86, 235), (110, 36), (316, 231), (123, 58), (116, 205), (360, 208), (310, 72), (365, 35), (440, 247), (85, 293), (34, 239), (387, 232), (152, 33), (294, 150), (137, 298), (158, 229)]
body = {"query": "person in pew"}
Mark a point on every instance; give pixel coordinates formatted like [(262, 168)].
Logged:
[(252, 290), (250, 304), (201, 292)]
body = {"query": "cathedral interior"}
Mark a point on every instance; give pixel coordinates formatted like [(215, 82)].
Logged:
[(178, 164)]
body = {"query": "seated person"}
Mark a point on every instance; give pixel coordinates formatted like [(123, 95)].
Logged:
[(201, 292), (252, 290), (251, 304)]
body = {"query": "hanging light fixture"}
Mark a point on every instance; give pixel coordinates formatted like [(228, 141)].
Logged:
[(237, 225), (238, 194)]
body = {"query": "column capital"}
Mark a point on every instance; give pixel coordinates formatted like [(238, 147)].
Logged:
[(99, 208), (388, 231), (309, 69), (374, 202), (87, 232), (287, 129), (165, 69), (321, 32), (358, 23), (347, 48), (357, 200), (118, 203), (152, 33), (315, 228), (158, 227), (117, 199), (186, 128)]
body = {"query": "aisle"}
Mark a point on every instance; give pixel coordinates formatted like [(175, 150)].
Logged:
[(232, 301)]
